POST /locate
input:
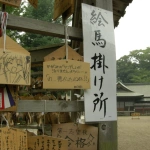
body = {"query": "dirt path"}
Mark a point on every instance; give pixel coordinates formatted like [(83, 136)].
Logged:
[(134, 134)]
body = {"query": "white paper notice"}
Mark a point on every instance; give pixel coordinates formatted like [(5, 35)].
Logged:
[(99, 51)]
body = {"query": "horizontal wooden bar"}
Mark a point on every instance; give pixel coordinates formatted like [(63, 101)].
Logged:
[(50, 106), (36, 73), (34, 91), (42, 27)]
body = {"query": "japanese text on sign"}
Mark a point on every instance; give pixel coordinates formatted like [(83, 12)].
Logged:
[(99, 50), (66, 75), (79, 136), (46, 143), (13, 139)]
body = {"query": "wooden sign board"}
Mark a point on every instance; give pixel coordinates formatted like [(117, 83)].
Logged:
[(79, 136), (69, 11), (4, 133), (12, 109), (61, 54), (15, 3), (1, 138), (46, 142), (12, 45), (13, 139), (22, 140), (34, 3), (66, 74), (135, 114), (14, 68), (60, 6), (99, 51)]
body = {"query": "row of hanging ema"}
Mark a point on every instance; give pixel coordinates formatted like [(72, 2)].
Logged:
[(62, 69)]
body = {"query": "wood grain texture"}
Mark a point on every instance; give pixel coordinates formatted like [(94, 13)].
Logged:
[(60, 7), (49, 106), (42, 27), (105, 4), (14, 3), (108, 139)]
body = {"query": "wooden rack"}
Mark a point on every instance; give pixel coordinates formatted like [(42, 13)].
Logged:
[(107, 141)]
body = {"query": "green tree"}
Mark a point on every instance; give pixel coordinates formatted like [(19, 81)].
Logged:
[(135, 67), (18, 12), (43, 12)]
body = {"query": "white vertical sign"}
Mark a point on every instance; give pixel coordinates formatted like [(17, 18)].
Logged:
[(99, 51)]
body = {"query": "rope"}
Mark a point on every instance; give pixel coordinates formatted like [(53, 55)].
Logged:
[(4, 17), (5, 120), (66, 41), (44, 117)]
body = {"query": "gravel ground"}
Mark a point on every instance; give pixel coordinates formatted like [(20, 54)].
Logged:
[(134, 134)]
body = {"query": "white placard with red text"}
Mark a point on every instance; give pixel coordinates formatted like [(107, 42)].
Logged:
[(99, 51)]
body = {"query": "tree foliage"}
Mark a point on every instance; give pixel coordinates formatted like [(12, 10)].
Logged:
[(17, 11), (135, 67), (43, 12)]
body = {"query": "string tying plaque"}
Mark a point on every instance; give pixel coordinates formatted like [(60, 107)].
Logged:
[(66, 40), (4, 18), (43, 124), (3, 118)]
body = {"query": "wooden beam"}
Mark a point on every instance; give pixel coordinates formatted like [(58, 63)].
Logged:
[(108, 139), (42, 27), (50, 106), (108, 136), (105, 4), (38, 55)]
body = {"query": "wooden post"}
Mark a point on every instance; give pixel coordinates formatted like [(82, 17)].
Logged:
[(104, 4), (3, 7), (108, 139)]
